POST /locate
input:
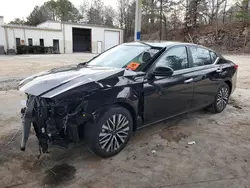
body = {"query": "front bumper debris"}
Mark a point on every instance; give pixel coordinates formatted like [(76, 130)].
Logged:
[(26, 122), (54, 122)]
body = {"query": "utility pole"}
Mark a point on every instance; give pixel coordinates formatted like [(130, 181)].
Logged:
[(138, 20), (161, 21)]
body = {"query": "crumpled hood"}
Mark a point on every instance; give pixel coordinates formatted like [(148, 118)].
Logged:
[(56, 81)]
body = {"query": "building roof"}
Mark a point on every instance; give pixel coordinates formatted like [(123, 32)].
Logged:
[(29, 27), (81, 24), (52, 29)]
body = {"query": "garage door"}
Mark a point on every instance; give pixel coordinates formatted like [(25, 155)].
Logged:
[(111, 38)]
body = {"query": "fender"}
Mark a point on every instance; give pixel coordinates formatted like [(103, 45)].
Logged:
[(127, 97)]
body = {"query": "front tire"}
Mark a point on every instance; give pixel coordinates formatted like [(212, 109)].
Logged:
[(111, 133), (221, 99)]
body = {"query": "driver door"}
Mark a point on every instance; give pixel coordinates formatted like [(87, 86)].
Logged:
[(165, 96)]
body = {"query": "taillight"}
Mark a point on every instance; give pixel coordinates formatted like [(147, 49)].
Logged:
[(236, 66)]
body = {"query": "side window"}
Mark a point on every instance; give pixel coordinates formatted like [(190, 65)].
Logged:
[(222, 61), (200, 56), (213, 56), (175, 58)]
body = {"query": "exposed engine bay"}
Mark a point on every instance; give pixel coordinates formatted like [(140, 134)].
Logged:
[(54, 121)]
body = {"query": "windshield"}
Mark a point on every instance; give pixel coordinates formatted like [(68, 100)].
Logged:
[(125, 56)]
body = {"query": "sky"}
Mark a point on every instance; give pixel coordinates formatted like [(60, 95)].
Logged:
[(12, 9)]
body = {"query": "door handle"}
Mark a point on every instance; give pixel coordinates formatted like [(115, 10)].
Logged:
[(219, 70), (189, 81)]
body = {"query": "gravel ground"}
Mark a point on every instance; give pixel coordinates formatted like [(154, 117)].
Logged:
[(219, 157), (15, 68)]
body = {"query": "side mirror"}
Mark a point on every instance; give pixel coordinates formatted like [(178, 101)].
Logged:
[(163, 71)]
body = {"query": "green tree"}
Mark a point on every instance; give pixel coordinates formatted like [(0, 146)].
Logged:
[(195, 9), (84, 8), (95, 13), (18, 21), (37, 16), (109, 15), (61, 10), (66, 11), (50, 8), (244, 12)]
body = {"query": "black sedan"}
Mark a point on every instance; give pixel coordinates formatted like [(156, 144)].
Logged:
[(124, 89)]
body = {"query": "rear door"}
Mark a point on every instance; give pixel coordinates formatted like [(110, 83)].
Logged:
[(204, 75), (168, 96)]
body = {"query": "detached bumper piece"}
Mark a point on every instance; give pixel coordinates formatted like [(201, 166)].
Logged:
[(53, 122), (26, 122)]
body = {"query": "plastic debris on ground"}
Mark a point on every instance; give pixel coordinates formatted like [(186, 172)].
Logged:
[(191, 143)]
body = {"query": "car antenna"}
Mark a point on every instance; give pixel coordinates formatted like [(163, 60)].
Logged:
[(153, 47), (146, 44)]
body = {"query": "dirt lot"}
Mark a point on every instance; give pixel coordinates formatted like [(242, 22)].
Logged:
[(220, 157), (15, 68)]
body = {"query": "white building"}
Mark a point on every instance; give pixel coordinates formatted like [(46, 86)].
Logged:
[(65, 37)]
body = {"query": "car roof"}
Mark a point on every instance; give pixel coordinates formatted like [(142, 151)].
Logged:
[(163, 44)]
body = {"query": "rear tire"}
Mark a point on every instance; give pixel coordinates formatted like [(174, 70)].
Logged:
[(221, 99), (111, 133)]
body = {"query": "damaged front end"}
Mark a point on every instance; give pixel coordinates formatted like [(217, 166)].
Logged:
[(54, 121), (60, 102)]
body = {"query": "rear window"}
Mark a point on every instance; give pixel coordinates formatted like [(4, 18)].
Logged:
[(213, 56), (200, 56)]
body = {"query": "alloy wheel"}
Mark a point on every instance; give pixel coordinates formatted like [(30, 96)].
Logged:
[(114, 133), (222, 98)]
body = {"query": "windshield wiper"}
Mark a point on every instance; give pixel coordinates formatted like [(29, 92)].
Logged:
[(82, 64)]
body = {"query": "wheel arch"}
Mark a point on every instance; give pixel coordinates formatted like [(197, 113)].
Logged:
[(229, 83), (132, 111), (125, 103)]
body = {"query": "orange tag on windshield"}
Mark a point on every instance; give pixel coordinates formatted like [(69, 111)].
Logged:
[(133, 66)]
